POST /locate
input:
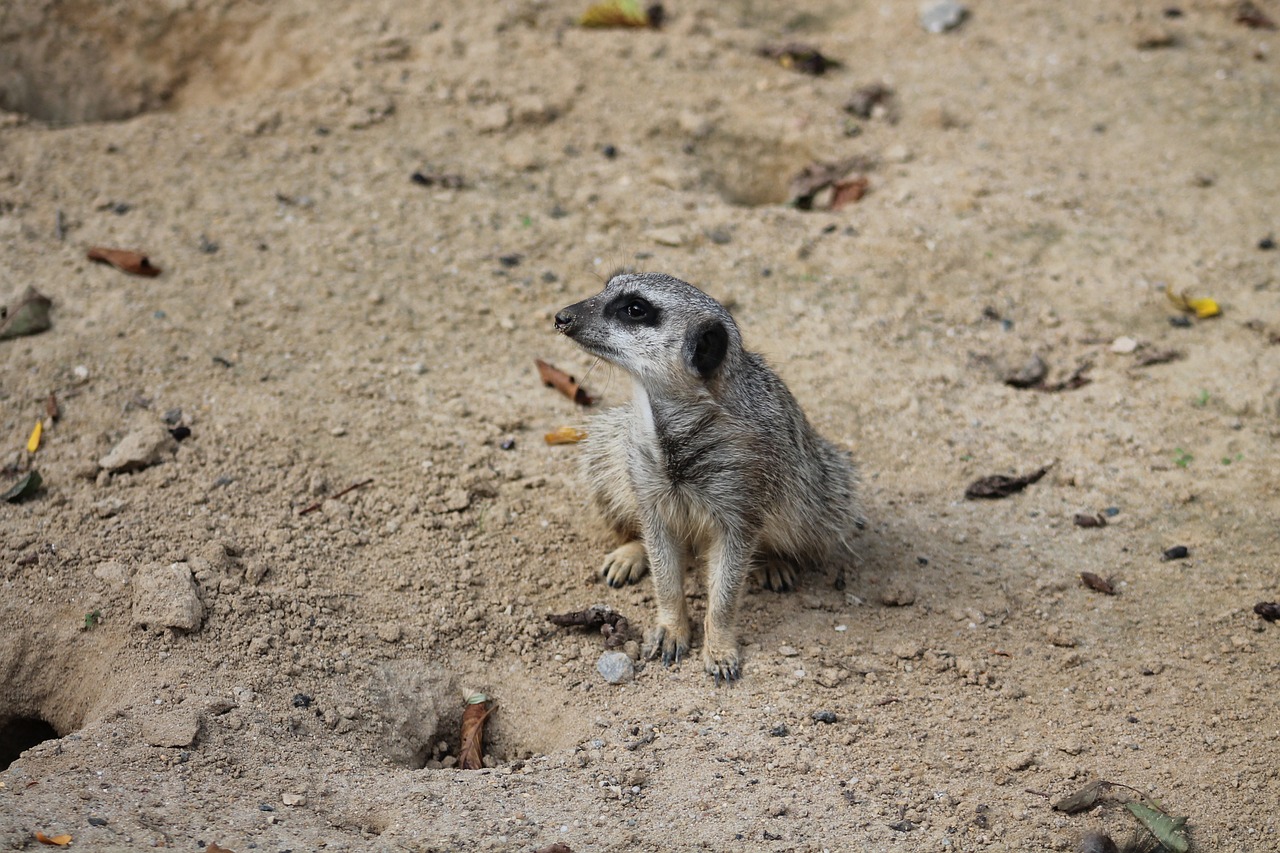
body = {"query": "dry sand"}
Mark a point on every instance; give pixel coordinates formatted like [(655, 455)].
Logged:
[(1039, 177)]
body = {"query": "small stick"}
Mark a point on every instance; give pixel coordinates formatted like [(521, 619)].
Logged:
[(315, 506)]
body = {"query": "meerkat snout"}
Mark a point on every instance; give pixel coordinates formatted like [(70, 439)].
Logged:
[(711, 463)]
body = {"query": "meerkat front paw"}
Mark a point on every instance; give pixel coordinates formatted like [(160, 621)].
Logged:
[(721, 664), (625, 565), (777, 575), (667, 642)]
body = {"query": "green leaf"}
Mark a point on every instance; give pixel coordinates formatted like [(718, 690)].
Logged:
[(1169, 831), (24, 488), (28, 315)]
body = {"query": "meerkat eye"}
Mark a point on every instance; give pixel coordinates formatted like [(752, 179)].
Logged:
[(637, 310)]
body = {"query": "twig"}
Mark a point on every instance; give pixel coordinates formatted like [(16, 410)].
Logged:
[(315, 506)]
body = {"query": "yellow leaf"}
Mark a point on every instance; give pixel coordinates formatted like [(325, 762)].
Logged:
[(565, 435), (615, 13), (33, 443), (1202, 307), (57, 840)]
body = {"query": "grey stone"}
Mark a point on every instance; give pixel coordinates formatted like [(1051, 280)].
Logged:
[(616, 667), (940, 17)]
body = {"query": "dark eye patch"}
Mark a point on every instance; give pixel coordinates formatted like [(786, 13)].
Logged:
[(633, 310)]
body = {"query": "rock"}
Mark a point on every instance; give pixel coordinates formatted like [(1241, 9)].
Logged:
[(146, 445), (672, 236), (616, 667), (491, 119), (166, 597), (175, 728), (290, 799), (898, 596), (389, 633), (788, 651), (112, 572), (828, 717), (940, 17), (1020, 761), (1124, 344), (410, 697)]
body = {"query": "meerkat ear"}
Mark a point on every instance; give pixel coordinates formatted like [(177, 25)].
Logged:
[(705, 348)]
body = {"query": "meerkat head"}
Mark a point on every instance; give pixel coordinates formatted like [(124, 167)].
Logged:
[(661, 330)]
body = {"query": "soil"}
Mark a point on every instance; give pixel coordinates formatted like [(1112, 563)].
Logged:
[(1039, 180)]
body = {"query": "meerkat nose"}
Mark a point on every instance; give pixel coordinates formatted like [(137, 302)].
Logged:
[(564, 320)]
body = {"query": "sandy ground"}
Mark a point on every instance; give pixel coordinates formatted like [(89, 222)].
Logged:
[(1038, 179)]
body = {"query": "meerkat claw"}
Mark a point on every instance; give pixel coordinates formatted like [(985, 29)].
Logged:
[(625, 565)]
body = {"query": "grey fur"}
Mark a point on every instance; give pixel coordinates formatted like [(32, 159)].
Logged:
[(711, 462)]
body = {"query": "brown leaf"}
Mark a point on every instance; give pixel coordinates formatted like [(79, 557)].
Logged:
[(216, 848), (57, 840), (1083, 520), (557, 847), (125, 260), (1269, 610), (470, 753), (1251, 16), (816, 177), (1084, 799), (1000, 486), (554, 377), (849, 192), (51, 406), (1097, 583)]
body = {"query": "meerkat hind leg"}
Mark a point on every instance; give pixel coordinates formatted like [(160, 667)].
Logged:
[(776, 573), (625, 564)]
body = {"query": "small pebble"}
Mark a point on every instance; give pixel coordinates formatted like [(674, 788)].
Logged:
[(302, 700), (1267, 243), (1177, 552), (616, 668), (97, 821), (827, 717), (780, 730), (1180, 321), (941, 17)]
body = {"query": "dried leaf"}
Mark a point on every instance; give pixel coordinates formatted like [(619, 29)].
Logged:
[(470, 753), (1083, 520), (1084, 799), (24, 488), (1269, 610), (1202, 307), (217, 848), (816, 177), (1169, 831), (57, 840), (33, 443), (1000, 486), (554, 377), (1097, 583), (1162, 356), (600, 617), (565, 435), (26, 315), (1251, 16), (804, 58), (615, 13), (557, 847), (51, 407), (125, 260), (849, 192)]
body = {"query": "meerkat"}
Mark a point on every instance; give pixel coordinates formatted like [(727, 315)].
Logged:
[(712, 462)]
